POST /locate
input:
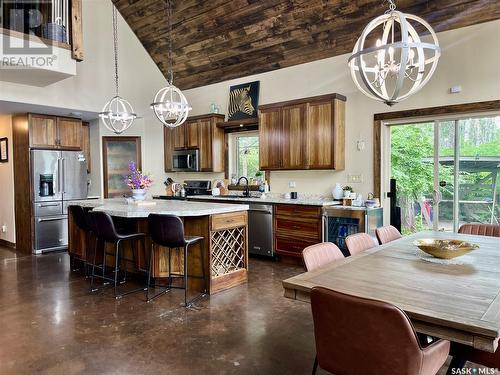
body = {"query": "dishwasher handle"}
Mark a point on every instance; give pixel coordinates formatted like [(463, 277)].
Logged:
[(261, 208)]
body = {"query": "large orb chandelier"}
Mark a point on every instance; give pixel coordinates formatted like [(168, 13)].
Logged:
[(399, 63), (170, 105), (117, 115)]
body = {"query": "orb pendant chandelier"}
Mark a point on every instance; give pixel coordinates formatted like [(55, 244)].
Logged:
[(170, 105), (400, 62), (117, 115)]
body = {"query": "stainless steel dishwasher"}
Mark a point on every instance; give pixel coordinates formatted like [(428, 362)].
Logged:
[(260, 229)]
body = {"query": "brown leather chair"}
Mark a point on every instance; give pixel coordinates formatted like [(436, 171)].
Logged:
[(356, 243), (318, 255), (387, 234), (463, 353), (490, 230), (361, 336)]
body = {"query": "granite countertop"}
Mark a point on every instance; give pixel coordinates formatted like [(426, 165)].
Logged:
[(304, 200), (119, 207)]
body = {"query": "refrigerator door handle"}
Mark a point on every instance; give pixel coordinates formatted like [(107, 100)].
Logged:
[(63, 177), (58, 176)]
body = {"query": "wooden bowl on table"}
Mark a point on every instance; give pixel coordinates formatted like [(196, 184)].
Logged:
[(445, 249)]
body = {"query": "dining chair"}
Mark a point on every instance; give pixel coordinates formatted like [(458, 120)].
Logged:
[(387, 234), (359, 242), (463, 353), (362, 336), (318, 255), (490, 230)]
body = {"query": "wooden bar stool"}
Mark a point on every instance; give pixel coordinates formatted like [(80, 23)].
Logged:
[(168, 231), (105, 231)]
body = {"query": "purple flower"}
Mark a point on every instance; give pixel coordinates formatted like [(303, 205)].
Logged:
[(135, 179)]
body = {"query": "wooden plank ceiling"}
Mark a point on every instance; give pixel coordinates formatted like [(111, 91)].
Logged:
[(217, 40)]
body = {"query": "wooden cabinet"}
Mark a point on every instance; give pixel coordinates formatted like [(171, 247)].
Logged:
[(295, 228), (198, 132), (54, 132), (303, 134), (86, 144)]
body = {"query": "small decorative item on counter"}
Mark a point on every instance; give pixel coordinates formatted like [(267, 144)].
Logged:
[(347, 191), (347, 201), (221, 185), (358, 200), (168, 186), (287, 195), (293, 195), (370, 203), (266, 187), (215, 191), (337, 191), (259, 175), (138, 182)]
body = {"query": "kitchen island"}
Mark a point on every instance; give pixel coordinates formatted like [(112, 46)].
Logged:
[(224, 263)]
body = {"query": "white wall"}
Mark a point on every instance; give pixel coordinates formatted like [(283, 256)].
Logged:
[(7, 180)]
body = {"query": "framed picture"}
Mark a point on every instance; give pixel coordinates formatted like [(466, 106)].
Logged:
[(117, 153), (243, 101), (4, 150)]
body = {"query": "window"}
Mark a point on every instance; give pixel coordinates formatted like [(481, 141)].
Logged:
[(244, 154)]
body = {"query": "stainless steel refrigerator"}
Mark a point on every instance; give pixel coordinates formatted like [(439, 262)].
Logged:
[(57, 177)]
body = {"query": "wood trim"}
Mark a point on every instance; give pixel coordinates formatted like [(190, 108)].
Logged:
[(105, 141), (491, 105), (76, 30), (239, 124), (34, 38), (454, 109), (311, 99), (203, 117), (5, 243)]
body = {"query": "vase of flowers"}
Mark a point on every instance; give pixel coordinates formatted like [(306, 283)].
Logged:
[(138, 182)]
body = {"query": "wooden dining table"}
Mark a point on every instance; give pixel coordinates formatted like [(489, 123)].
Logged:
[(458, 300)]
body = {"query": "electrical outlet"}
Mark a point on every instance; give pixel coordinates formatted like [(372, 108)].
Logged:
[(292, 184), (355, 178), (4, 228)]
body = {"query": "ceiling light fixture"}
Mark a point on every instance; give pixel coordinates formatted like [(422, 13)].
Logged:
[(170, 105), (117, 114), (400, 63)]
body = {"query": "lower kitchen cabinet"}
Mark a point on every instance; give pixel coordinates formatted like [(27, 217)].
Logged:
[(295, 228)]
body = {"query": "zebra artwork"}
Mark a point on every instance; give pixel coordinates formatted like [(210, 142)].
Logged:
[(243, 101)]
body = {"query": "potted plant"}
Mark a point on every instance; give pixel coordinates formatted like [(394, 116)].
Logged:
[(258, 177), (347, 191), (138, 182)]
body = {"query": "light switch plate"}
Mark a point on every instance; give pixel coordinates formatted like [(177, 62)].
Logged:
[(355, 178), (292, 184)]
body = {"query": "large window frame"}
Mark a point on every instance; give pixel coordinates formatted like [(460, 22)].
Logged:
[(233, 152)]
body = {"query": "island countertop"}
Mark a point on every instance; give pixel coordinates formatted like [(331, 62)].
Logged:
[(119, 207)]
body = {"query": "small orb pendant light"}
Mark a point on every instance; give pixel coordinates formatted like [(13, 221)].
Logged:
[(400, 63), (170, 105), (117, 114)]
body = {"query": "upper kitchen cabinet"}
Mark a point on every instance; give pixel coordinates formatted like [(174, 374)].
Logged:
[(54, 132), (303, 134), (198, 133)]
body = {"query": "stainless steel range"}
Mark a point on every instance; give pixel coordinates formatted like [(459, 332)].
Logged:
[(57, 177)]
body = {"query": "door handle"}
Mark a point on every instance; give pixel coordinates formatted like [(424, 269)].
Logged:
[(189, 161), (62, 176), (40, 220), (48, 205)]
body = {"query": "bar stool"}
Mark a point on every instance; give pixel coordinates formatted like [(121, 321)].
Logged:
[(168, 231), (80, 216), (105, 231)]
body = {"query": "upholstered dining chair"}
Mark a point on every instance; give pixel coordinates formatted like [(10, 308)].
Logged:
[(387, 234), (318, 255), (359, 242), (490, 230), (361, 336)]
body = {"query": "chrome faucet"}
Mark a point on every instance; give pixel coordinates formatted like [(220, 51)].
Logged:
[(246, 192)]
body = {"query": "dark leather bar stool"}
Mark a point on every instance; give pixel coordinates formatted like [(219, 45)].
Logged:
[(168, 231), (105, 231), (82, 221)]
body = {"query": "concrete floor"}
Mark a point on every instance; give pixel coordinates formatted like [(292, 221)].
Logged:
[(51, 324)]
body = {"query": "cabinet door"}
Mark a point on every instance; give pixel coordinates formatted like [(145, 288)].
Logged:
[(86, 143), (293, 153), (180, 137), (320, 135), (269, 138), (69, 133), (192, 131), (205, 131), (43, 131), (168, 147)]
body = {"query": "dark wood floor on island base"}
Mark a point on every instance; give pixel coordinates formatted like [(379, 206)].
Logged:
[(52, 325)]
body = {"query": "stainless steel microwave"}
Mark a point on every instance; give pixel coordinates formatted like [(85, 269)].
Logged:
[(186, 161)]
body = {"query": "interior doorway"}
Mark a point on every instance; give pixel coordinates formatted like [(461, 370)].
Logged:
[(446, 171)]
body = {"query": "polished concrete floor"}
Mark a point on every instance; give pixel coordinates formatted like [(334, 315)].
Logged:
[(49, 323)]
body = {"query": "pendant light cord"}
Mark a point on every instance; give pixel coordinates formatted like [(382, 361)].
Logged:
[(170, 56), (115, 46)]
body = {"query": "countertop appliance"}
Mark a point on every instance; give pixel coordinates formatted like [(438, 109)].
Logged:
[(260, 229), (57, 177), (338, 223), (192, 187), (186, 160)]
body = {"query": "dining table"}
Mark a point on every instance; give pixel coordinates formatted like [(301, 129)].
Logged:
[(457, 299)]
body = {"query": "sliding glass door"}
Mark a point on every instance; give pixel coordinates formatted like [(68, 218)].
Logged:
[(446, 172)]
